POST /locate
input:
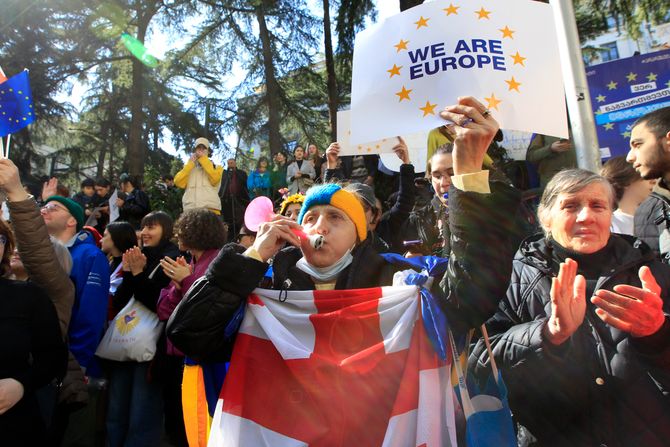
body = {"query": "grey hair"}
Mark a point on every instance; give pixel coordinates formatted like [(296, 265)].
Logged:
[(570, 181), (62, 254)]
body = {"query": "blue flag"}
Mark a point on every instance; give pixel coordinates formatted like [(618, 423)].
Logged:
[(16, 104)]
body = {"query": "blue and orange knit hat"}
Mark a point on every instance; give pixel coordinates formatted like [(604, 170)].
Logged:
[(332, 194)]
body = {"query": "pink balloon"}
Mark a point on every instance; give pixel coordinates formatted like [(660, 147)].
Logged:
[(259, 210)]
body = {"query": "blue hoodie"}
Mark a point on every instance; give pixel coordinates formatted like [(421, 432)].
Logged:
[(90, 274)]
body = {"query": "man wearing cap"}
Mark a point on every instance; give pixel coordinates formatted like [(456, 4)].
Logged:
[(64, 219), (201, 179)]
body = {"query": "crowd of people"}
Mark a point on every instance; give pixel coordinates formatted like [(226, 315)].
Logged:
[(579, 317)]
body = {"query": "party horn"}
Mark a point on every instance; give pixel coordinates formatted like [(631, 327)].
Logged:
[(260, 210)]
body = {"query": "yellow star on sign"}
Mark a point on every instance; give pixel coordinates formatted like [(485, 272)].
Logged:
[(483, 13), (451, 9), (513, 85), (394, 71), (404, 94), (609, 126), (631, 76), (506, 32), (518, 59), (651, 77), (600, 98), (612, 85), (626, 134), (493, 102), (402, 45), (421, 22), (428, 109)]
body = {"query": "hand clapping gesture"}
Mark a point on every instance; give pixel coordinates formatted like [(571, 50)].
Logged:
[(134, 261), (636, 310), (568, 303), (176, 269)]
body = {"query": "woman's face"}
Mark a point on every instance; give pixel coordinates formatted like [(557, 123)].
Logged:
[(106, 243), (441, 171), (312, 149), (151, 235), (298, 153), (263, 165), (581, 221), (279, 158), (338, 231), (293, 211)]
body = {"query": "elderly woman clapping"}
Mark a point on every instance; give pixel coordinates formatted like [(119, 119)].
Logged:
[(582, 337)]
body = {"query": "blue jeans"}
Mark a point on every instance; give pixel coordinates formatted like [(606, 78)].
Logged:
[(135, 414)]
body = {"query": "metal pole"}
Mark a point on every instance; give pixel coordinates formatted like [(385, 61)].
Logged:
[(576, 88)]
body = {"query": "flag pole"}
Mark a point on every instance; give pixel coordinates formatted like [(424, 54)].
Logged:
[(9, 140), (576, 88)]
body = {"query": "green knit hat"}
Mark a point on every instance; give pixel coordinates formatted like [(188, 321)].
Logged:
[(73, 208)]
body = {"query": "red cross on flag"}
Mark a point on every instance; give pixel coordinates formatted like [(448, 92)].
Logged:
[(335, 368), (407, 68)]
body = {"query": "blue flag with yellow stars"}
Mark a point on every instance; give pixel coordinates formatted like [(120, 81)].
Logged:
[(16, 104), (624, 90)]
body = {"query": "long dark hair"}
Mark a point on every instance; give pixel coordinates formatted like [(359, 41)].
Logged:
[(123, 235), (6, 231)]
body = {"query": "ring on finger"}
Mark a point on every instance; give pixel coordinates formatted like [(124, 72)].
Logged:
[(465, 121), (486, 113)]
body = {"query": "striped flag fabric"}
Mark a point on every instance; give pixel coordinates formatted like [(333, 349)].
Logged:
[(335, 368)]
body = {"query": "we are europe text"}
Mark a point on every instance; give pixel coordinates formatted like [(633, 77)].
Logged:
[(475, 53)]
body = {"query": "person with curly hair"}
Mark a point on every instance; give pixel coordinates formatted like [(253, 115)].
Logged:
[(202, 234)]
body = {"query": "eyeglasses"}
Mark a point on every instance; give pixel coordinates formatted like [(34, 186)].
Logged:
[(53, 206), (3, 239)]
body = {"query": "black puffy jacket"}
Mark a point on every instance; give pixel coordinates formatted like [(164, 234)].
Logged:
[(476, 278), (602, 386), (651, 218)]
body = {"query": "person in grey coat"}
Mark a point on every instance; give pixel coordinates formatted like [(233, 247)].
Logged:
[(300, 174)]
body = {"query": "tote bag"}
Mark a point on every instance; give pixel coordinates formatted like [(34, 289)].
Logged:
[(132, 335)]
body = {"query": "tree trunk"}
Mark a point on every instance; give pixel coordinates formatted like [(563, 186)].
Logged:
[(406, 4), (271, 84), (330, 71), (135, 155)]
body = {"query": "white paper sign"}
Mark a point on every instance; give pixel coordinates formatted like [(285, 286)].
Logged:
[(416, 145), (410, 66), (113, 209)]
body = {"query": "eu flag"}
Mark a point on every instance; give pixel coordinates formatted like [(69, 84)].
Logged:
[(16, 104)]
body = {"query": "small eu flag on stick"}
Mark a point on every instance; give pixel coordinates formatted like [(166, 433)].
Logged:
[(16, 105)]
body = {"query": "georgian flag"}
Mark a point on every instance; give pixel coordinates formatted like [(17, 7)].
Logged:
[(335, 368)]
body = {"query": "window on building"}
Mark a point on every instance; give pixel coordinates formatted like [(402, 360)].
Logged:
[(609, 52)]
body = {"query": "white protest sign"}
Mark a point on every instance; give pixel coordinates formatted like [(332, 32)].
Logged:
[(113, 208), (416, 145), (344, 139), (410, 66)]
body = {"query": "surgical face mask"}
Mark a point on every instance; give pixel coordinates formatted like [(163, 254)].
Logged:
[(325, 274)]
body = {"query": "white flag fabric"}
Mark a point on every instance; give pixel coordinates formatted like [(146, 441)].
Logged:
[(338, 367), (410, 66)]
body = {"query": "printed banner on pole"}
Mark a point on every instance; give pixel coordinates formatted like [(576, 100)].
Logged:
[(413, 64), (622, 91), (339, 367)]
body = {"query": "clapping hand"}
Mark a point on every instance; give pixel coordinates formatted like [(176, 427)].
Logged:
[(134, 260), (636, 310), (50, 188), (568, 303), (176, 269), (11, 391)]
